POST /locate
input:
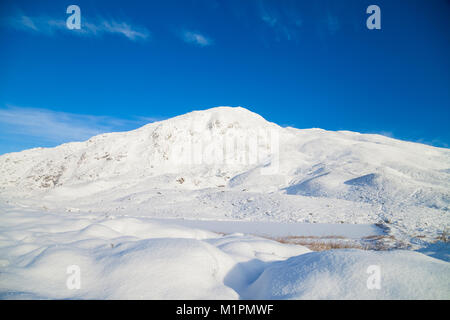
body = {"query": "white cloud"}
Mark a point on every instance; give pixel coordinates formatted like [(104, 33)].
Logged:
[(284, 23), (27, 22), (196, 38), (49, 26), (124, 29), (271, 21), (58, 127)]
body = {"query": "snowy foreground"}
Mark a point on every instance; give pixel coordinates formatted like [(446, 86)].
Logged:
[(139, 258), (135, 216)]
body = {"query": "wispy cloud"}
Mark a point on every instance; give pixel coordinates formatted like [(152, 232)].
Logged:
[(196, 38), (98, 27), (271, 21), (285, 23), (55, 127)]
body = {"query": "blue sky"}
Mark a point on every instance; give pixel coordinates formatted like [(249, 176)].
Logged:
[(297, 63)]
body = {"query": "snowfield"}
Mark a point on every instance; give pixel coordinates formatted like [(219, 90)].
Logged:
[(190, 208), (132, 258)]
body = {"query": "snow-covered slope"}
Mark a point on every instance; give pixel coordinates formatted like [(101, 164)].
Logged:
[(227, 148), (312, 162)]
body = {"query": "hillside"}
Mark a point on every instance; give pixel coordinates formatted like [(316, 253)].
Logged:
[(364, 177), (206, 194)]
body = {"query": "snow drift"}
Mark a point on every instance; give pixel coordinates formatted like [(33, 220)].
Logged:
[(139, 258)]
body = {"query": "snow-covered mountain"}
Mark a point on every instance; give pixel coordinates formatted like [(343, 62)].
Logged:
[(190, 152), (178, 209)]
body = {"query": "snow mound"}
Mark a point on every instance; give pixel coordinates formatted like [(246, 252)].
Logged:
[(140, 258), (122, 258), (343, 274)]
